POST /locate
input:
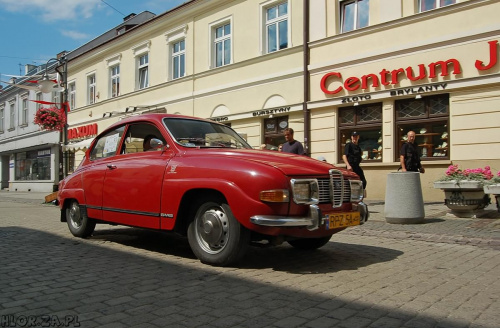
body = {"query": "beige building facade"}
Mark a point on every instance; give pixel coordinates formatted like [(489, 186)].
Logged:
[(323, 67)]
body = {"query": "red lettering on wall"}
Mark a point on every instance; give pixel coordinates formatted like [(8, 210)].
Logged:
[(82, 131), (444, 67), (323, 83), (493, 57)]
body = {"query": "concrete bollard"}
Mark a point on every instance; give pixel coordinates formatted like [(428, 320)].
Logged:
[(404, 203)]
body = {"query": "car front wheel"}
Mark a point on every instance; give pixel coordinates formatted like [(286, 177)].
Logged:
[(215, 236), (78, 222)]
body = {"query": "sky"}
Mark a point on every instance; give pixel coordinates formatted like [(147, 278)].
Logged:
[(33, 31)]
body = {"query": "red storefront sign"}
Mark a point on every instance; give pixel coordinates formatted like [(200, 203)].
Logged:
[(82, 131), (337, 83)]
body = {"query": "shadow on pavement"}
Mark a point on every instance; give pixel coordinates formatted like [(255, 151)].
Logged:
[(332, 257), (43, 273)]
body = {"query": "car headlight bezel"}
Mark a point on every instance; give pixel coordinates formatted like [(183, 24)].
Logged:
[(357, 191), (305, 191)]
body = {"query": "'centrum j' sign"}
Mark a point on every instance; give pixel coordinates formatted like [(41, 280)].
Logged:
[(386, 77)]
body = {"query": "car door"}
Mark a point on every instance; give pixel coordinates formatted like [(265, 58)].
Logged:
[(134, 178), (93, 178)]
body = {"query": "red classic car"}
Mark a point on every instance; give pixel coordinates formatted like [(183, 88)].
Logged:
[(201, 179)]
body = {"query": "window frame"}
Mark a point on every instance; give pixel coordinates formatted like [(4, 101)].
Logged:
[(38, 97), (181, 56), (72, 94), (437, 4), (143, 71), (276, 22), (356, 14), (24, 110), (2, 118), (91, 89), (12, 115), (173, 37), (214, 40), (114, 80)]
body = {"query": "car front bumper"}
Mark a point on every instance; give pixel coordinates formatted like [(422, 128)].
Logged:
[(312, 221)]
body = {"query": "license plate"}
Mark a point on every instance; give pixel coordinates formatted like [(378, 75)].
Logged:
[(341, 220)]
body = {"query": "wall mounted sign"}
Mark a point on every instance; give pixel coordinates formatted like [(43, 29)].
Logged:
[(333, 82), (82, 131)]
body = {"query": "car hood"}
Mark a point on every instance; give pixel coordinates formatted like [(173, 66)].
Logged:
[(289, 164)]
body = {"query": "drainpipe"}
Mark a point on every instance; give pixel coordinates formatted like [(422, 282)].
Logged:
[(305, 109)]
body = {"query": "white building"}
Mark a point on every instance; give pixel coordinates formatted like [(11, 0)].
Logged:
[(322, 67)]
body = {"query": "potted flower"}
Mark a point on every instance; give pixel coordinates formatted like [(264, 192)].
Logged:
[(493, 187), (464, 192), (50, 118)]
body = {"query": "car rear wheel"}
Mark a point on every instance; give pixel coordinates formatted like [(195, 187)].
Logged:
[(309, 243), (78, 222), (215, 236)]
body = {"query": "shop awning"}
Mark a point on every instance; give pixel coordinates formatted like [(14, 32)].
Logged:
[(84, 144)]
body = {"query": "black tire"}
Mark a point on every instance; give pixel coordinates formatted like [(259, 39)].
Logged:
[(215, 236), (310, 243), (78, 222)]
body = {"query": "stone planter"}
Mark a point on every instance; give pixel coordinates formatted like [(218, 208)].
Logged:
[(464, 198), (494, 190)]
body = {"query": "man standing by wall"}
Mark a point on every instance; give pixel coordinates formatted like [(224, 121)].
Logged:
[(352, 157), (409, 158), (291, 145)]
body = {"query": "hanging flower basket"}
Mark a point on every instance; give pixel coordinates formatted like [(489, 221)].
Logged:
[(51, 118)]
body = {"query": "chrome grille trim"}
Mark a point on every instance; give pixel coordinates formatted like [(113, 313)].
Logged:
[(336, 187)]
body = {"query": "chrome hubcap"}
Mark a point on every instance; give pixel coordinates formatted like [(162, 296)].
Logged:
[(212, 230), (74, 216)]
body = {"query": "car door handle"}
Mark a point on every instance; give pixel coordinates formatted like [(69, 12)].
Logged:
[(111, 167)]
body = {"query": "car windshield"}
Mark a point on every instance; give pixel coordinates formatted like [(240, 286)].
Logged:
[(194, 133)]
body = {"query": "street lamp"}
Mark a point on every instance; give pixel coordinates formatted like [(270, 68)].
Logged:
[(46, 85)]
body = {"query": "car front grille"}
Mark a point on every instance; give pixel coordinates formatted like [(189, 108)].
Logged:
[(335, 190)]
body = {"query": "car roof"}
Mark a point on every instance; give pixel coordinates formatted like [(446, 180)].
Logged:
[(155, 117)]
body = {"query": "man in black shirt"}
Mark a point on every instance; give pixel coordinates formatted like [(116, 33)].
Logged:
[(352, 157), (409, 157), (291, 145)]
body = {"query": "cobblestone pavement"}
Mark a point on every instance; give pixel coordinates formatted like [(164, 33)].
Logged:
[(442, 273)]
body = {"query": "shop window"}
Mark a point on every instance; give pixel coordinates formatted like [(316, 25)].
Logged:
[(33, 165), (273, 131), (367, 121), (428, 117)]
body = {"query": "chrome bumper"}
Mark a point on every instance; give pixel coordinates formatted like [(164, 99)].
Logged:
[(312, 221)]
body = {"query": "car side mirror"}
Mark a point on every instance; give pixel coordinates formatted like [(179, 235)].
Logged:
[(156, 143)]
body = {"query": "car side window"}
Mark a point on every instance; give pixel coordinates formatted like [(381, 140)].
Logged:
[(139, 136), (107, 145)]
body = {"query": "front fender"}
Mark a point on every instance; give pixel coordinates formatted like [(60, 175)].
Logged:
[(69, 194), (242, 205)]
